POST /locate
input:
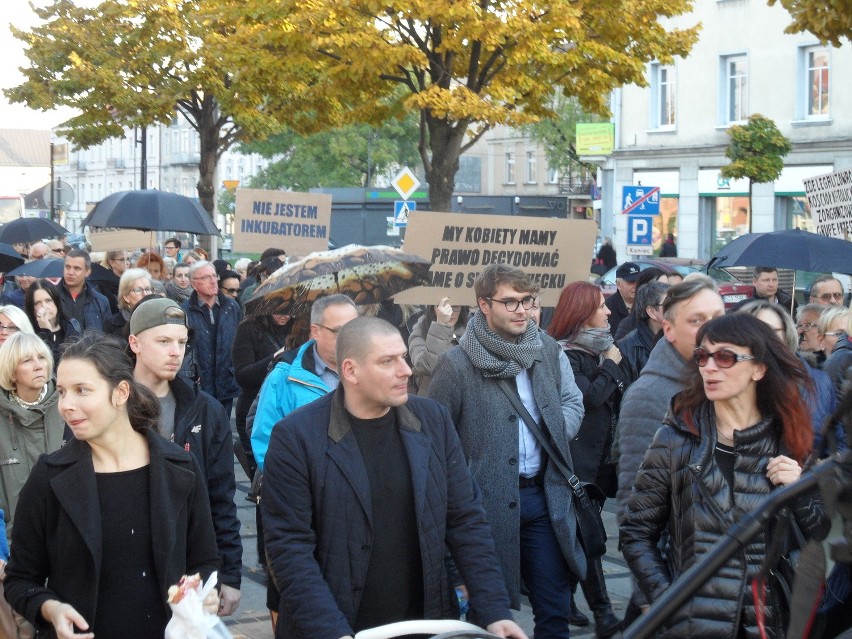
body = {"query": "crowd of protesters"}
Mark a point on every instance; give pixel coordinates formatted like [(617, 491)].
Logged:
[(398, 466)]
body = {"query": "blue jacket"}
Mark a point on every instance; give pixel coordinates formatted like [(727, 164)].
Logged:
[(316, 511), (210, 345), (287, 387), (203, 429), (96, 311)]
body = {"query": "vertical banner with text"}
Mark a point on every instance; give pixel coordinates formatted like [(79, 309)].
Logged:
[(553, 251), (299, 223)]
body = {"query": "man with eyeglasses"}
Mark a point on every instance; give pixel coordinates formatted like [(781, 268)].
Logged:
[(300, 376), (80, 300), (807, 323), (212, 317), (686, 308), (621, 302), (57, 249), (826, 289), (38, 251), (528, 504)]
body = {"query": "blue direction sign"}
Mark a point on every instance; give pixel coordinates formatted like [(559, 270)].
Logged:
[(401, 209), (640, 229), (640, 200)]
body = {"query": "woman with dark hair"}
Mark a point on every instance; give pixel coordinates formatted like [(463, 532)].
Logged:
[(45, 312), (740, 429), (437, 330), (81, 556), (580, 324), (650, 274), (258, 340)]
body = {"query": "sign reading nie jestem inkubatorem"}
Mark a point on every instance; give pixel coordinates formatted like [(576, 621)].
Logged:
[(299, 223), (830, 200), (552, 251)]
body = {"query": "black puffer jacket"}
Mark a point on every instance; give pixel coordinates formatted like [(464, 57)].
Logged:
[(681, 488), (636, 347)]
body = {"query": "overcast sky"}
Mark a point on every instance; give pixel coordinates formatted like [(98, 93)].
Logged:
[(17, 116)]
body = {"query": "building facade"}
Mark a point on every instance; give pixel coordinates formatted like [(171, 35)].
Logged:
[(673, 133), (172, 153)]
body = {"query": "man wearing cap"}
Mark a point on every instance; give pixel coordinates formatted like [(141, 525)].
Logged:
[(193, 419), (621, 302)]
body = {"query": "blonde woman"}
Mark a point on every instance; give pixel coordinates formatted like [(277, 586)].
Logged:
[(135, 284), (839, 324), (13, 320), (31, 426)]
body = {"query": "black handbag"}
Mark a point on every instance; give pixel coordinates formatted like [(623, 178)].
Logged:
[(587, 508)]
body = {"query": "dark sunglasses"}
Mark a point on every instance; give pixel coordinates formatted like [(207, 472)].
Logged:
[(232, 291), (723, 357)]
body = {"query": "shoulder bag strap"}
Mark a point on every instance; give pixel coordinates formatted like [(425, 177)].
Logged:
[(548, 448)]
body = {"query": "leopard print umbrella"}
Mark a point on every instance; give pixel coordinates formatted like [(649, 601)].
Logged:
[(367, 274)]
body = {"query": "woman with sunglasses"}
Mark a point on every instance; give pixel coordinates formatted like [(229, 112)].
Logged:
[(135, 284), (739, 430), (437, 330)]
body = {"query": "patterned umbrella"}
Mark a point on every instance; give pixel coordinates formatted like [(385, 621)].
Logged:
[(367, 274)]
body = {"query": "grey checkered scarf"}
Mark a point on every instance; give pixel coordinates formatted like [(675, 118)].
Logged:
[(495, 356)]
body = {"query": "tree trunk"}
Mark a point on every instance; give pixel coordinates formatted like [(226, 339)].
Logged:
[(750, 207), (209, 150), (445, 142)]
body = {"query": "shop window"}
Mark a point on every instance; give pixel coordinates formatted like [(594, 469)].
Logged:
[(730, 220), (798, 213), (665, 222)]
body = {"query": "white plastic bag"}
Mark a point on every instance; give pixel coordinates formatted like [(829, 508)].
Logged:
[(189, 619)]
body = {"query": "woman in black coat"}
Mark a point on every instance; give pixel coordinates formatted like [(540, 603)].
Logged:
[(739, 430), (581, 327), (259, 339), (83, 558)]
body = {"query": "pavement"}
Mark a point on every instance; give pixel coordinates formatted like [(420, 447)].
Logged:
[(251, 620)]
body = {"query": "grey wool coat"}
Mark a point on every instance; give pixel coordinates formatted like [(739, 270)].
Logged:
[(487, 424)]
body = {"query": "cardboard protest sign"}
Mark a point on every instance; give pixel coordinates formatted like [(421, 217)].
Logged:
[(830, 200), (299, 223), (553, 251), (120, 239)]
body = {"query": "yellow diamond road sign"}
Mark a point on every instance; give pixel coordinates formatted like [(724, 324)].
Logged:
[(405, 183)]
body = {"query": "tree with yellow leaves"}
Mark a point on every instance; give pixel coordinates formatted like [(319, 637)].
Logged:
[(464, 65), (127, 63)]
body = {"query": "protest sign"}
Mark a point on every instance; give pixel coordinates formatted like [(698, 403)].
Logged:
[(553, 251), (830, 200), (299, 223), (120, 239)]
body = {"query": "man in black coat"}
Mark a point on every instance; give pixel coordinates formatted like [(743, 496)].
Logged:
[(364, 491), (621, 302), (765, 282), (194, 420)]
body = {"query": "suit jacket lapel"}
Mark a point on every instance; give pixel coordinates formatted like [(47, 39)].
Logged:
[(77, 492), (417, 448)]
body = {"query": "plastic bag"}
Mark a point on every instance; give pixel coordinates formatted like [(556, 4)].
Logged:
[(190, 620)]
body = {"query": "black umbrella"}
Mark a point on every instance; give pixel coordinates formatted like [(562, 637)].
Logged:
[(9, 258), (793, 249), (101, 273), (151, 210), (30, 229), (48, 267)]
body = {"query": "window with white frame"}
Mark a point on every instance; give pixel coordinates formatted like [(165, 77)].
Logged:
[(817, 81), (552, 175), (663, 96), (735, 88), (510, 167), (531, 167)]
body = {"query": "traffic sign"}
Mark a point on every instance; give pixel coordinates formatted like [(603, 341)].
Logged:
[(405, 183), (640, 230), (401, 209), (640, 200)]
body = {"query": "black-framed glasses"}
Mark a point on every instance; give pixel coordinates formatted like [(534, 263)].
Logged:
[(512, 305), (61, 251), (230, 291), (724, 358), (333, 331)]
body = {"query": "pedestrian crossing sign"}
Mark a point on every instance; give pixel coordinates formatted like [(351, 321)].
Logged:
[(401, 209)]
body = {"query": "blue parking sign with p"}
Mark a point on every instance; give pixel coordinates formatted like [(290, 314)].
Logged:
[(640, 229)]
